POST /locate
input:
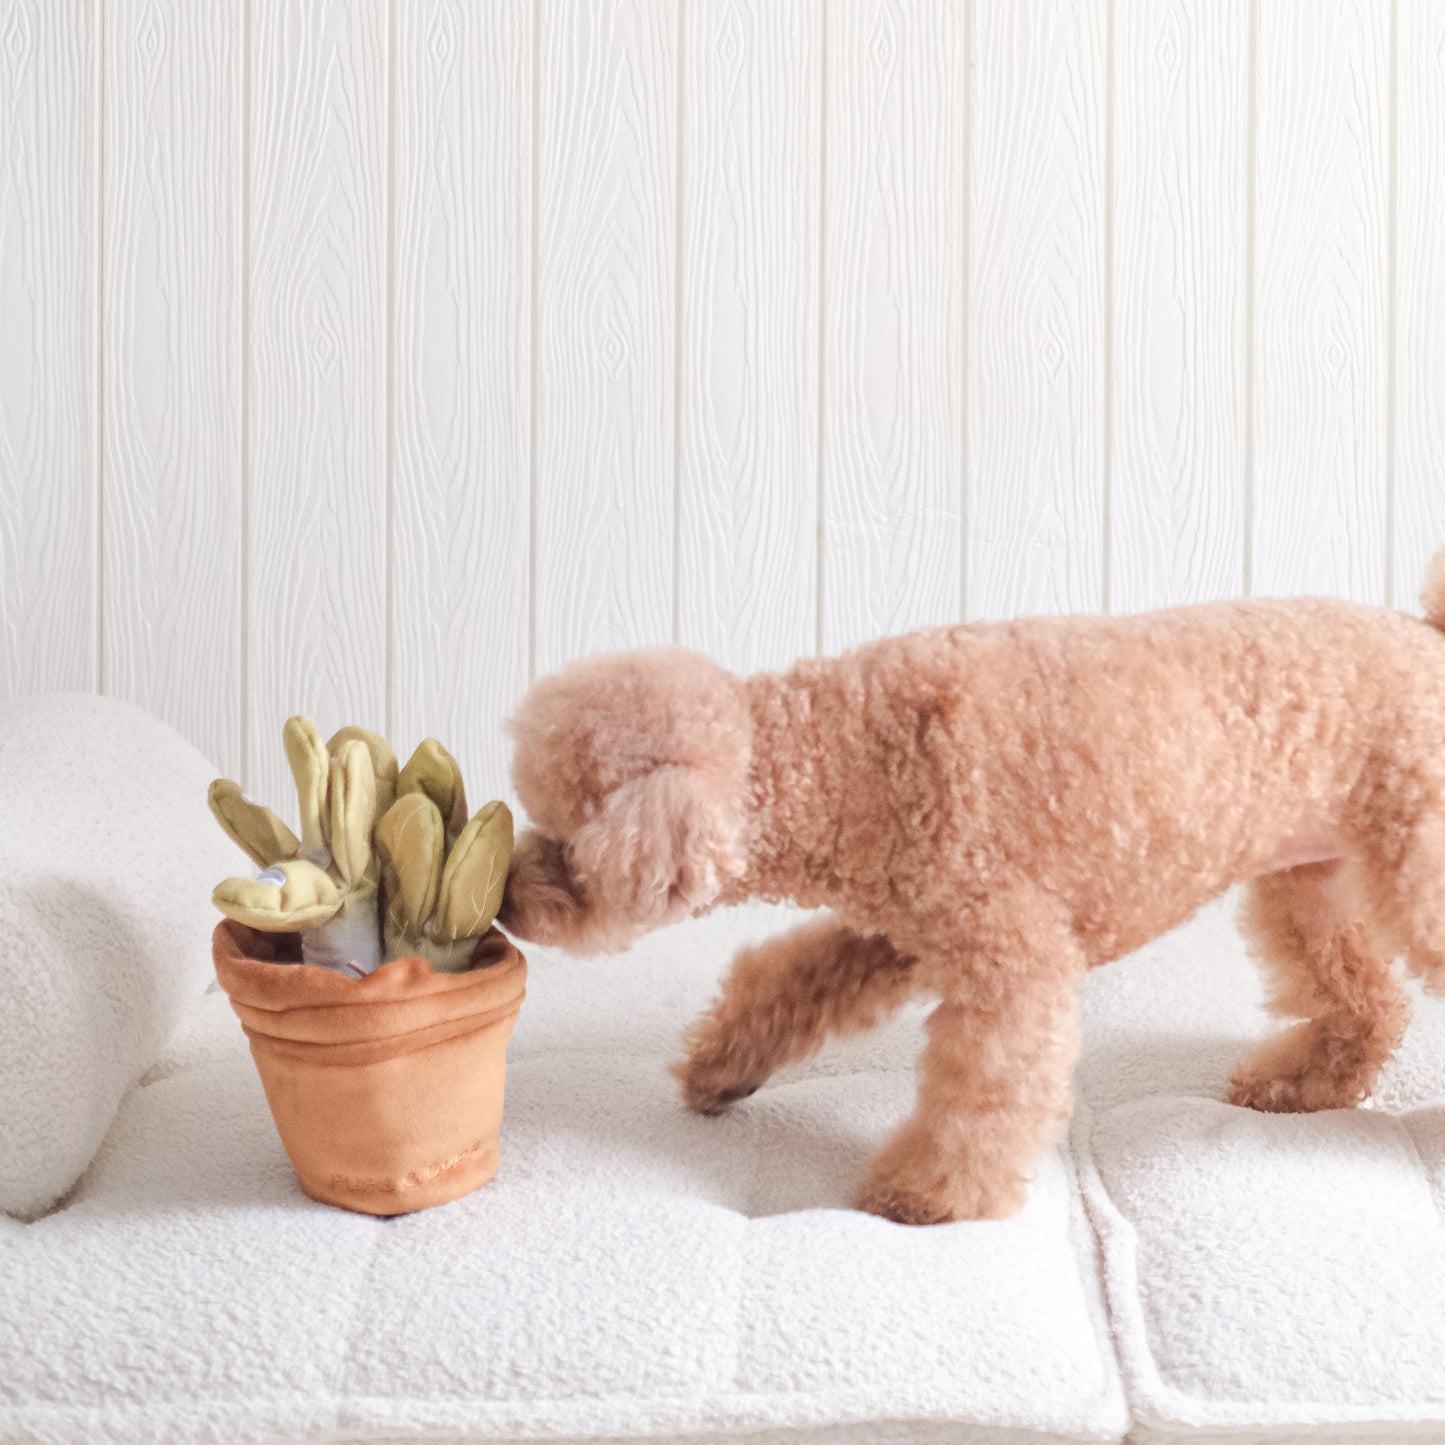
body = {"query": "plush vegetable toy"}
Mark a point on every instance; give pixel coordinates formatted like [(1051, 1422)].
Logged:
[(387, 864)]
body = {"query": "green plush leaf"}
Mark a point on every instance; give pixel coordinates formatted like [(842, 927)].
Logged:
[(310, 768), (476, 874), (254, 829), (352, 800), (289, 896), (411, 840), (432, 770), (383, 761)]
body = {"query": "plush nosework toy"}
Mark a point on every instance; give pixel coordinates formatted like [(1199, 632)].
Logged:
[(384, 1066), (387, 865)]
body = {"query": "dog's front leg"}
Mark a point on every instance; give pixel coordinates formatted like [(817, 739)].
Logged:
[(782, 999), (994, 1080)]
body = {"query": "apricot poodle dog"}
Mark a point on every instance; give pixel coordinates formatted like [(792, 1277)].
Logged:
[(989, 810)]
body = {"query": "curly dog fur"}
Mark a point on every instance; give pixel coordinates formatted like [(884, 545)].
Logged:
[(987, 811)]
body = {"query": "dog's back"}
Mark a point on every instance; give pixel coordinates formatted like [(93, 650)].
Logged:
[(1135, 766)]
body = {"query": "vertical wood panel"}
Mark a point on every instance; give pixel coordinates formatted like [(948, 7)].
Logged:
[(317, 534), (747, 527), (463, 362), (902, 241), (605, 334), (1038, 336), (172, 629), (1180, 220), (893, 350), (1320, 332), (47, 359), (1420, 296)]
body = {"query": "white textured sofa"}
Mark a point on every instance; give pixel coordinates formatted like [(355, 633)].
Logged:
[(1183, 1268)]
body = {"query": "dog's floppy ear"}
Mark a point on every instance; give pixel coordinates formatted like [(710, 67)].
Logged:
[(543, 900), (660, 849)]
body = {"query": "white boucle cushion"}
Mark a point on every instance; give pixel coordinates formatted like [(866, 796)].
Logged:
[(108, 855), (1268, 1276), (632, 1272)]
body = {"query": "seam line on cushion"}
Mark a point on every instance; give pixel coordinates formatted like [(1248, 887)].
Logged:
[(1147, 1429), (1141, 1373), (652, 1417), (1435, 1197), (1119, 1266), (1097, 1293), (610, 1053)]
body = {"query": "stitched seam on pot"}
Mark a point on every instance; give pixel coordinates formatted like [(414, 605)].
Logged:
[(393, 1045), (414, 1180), (492, 972)]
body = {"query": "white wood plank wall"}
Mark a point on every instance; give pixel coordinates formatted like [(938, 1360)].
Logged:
[(370, 357)]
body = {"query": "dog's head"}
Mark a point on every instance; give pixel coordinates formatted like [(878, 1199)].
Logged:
[(633, 770)]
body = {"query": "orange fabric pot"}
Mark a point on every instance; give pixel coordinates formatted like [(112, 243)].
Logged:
[(386, 1090)]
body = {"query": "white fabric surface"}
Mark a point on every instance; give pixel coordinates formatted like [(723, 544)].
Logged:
[(1267, 1276), (107, 859), (633, 1271), (636, 1273)]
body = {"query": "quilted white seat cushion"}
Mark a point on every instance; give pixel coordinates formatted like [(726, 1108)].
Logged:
[(637, 1273), (1268, 1277), (633, 1271), (108, 854)]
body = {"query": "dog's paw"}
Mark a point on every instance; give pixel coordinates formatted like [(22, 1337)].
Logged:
[(717, 1101), (710, 1085), (1294, 1093), (910, 1187), (1302, 1071), (723, 1061), (905, 1206)]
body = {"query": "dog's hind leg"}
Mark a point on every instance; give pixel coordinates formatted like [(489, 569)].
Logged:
[(1407, 878), (1308, 929), (781, 1000)]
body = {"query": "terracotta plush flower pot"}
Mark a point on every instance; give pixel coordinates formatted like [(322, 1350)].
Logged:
[(386, 1090)]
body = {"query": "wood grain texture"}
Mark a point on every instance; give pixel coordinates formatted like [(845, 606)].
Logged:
[(172, 461), (893, 270), (462, 454), (1179, 435), (1037, 343), (317, 533), (48, 521), (605, 339), (1321, 314), (748, 403), (1420, 297), (766, 277)]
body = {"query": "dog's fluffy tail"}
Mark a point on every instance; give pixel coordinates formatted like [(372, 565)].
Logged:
[(1433, 597)]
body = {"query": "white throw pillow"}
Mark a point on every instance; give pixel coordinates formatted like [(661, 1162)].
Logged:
[(108, 855)]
